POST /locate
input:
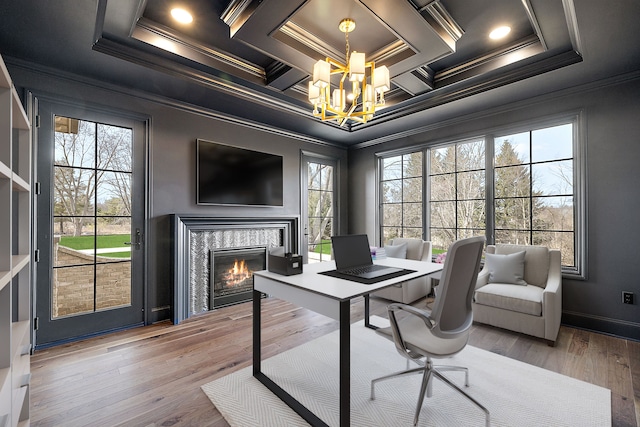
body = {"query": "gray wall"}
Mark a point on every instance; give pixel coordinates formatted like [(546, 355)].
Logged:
[(612, 123), (613, 153), (172, 190), (172, 140)]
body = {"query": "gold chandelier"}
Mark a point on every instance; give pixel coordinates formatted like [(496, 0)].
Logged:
[(367, 88)]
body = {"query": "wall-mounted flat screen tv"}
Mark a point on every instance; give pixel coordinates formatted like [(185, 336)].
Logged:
[(228, 175)]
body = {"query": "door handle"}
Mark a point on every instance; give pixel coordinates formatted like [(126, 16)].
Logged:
[(138, 240)]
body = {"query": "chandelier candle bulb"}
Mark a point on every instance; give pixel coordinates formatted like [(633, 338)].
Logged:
[(314, 93), (338, 97), (369, 98)]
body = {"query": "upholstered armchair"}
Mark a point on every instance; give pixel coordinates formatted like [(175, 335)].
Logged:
[(411, 290), (520, 288)]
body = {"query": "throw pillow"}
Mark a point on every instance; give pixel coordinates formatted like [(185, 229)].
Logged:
[(508, 269), (396, 251)]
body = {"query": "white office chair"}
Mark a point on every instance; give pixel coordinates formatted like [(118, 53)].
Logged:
[(444, 331)]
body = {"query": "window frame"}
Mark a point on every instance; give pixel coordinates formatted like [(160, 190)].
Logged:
[(307, 157), (579, 270), (455, 173), (380, 189)]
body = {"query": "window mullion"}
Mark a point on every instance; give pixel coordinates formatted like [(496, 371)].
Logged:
[(489, 190)]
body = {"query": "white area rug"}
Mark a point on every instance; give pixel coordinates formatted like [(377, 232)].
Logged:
[(516, 394)]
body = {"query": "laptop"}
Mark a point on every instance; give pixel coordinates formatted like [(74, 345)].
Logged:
[(353, 257)]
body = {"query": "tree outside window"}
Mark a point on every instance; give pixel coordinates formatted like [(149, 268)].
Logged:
[(457, 193), (401, 207), (92, 175), (533, 187), (320, 199)]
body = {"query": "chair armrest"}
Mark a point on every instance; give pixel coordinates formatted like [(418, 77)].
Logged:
[(396, 332), (427, 252), (552, 297), (483, 278), (423, 314)]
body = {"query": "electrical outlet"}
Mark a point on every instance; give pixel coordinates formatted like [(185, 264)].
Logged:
[(627, 297)]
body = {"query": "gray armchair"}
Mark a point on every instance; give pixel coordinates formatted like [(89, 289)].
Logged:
[(532, 305), (411, 290)]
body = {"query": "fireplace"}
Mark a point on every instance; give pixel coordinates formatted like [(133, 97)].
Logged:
[(203, 248), (231, 274)]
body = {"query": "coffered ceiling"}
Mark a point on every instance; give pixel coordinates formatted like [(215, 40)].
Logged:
[(250, 60)]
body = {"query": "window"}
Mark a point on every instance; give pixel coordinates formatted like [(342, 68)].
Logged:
[(401, 186), (319, 191), (519, 187), (92, 177), (457, 193), (533, 187)]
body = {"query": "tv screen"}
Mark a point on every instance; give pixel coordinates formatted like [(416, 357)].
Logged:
[(228, 175)]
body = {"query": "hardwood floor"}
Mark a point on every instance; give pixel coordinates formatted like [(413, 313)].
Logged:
[(151, 376)]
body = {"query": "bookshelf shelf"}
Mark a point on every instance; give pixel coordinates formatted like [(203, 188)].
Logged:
[(15, 255)]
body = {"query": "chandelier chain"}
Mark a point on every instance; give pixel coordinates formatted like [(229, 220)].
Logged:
[(346, 39)]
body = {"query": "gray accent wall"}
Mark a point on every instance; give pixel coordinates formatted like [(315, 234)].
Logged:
[(173, 131), (611, 123)]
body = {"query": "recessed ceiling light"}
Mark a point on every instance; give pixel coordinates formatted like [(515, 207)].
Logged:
[(181, 15), (499, 32)]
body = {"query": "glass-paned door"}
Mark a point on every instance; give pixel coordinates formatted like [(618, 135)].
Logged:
[(90, 237), (319, 201)]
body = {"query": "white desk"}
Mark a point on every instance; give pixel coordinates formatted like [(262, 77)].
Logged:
[(331, 297)]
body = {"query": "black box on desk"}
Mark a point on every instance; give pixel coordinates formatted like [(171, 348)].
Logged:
[(283, 263)]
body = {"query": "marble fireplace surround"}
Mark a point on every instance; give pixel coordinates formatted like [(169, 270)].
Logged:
[(193, 236)]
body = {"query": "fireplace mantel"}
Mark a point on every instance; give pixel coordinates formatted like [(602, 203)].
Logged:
[(188, 227)]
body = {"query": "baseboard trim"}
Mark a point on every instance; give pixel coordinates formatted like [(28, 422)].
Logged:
[(43, 346), (615, 327)]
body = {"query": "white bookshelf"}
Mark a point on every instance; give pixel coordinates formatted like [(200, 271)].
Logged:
[(15, 255)]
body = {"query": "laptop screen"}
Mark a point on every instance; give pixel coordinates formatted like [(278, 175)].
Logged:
[(351, 251)]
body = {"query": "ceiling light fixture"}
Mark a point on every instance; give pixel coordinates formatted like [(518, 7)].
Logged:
[(181, 15), (499, 32), (332, 105)]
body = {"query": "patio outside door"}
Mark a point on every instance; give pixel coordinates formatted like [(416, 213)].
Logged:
[(319, 198), (90, 223)]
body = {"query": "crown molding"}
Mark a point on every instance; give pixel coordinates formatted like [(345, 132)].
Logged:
[(545, 98), (155, 34), (47, 73)]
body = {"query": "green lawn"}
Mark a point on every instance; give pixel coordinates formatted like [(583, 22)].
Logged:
[(325, 247), (104, 242)]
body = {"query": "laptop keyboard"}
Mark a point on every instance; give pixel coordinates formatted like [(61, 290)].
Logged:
[(362, 270)]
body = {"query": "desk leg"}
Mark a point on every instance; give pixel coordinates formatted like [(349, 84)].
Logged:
[(367, 314), (257, 339), (289, 400), (345, 365)]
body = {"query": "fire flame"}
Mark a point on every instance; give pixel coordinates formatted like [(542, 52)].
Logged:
[(238, 273)]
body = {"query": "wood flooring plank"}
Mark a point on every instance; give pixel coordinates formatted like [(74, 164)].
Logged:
[(191, 409), (634, 364), (619, 382), (556, 356), (597, 369), (576, 362), (152, 376)]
